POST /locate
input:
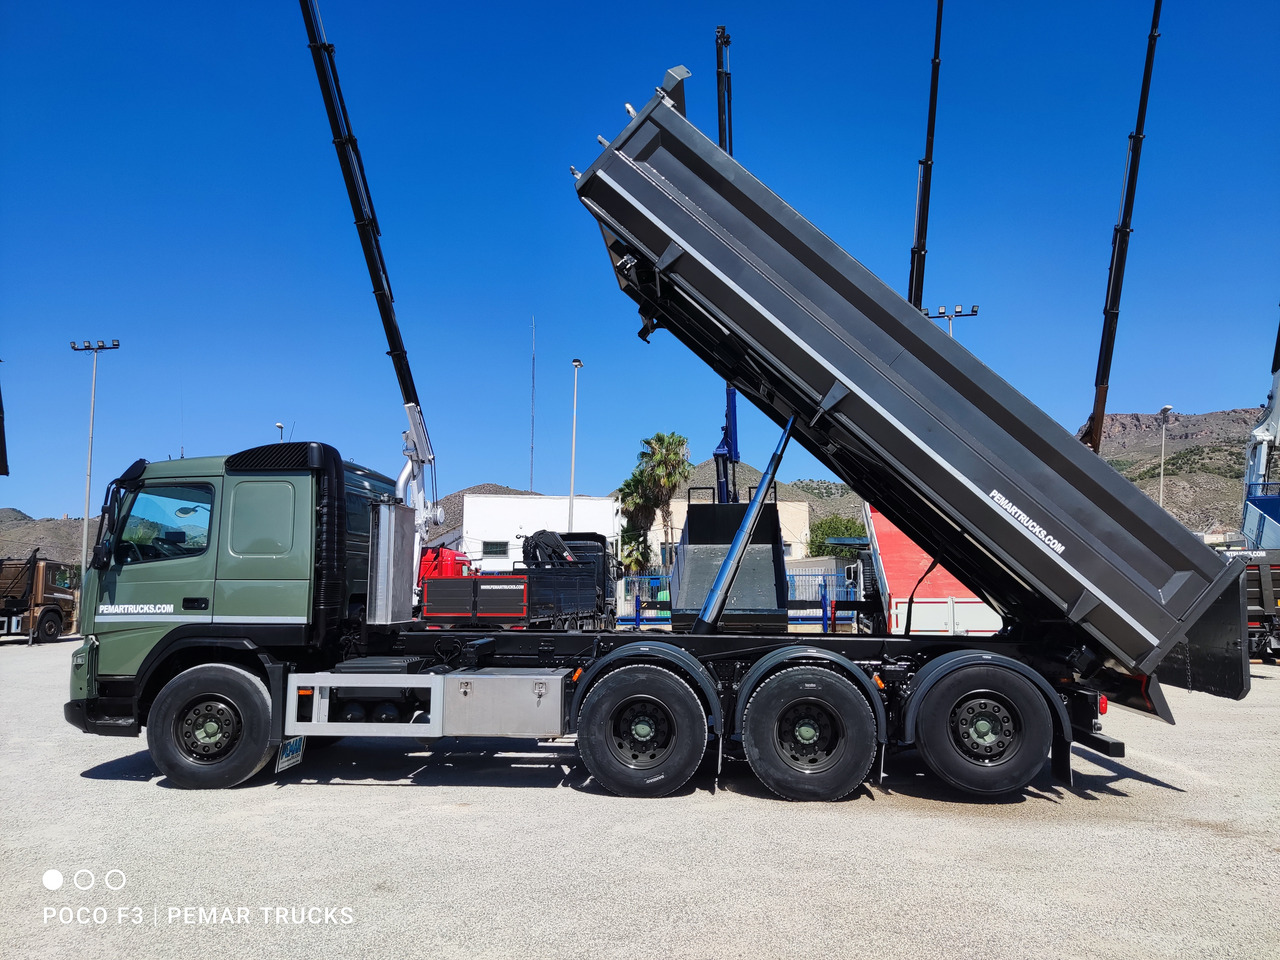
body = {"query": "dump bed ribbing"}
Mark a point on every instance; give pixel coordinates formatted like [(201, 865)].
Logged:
[(1013, 505)]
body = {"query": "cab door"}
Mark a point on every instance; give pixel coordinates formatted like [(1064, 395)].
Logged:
[(161, 572)]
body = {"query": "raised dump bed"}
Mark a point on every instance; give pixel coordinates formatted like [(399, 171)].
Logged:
[(1069, 552)]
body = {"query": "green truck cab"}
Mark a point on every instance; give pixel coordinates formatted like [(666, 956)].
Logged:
[(242, 563)]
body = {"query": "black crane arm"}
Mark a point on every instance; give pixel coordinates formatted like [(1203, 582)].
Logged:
[(1092, 433), (344, 141)]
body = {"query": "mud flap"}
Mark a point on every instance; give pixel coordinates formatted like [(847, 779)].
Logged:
[(1060, 762), (1214, 656)]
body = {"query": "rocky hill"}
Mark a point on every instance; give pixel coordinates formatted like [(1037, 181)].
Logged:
[(1204, 462), (57, 539)]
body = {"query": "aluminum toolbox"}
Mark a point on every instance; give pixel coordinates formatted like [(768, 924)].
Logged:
[(1014, 506), (505, 702)]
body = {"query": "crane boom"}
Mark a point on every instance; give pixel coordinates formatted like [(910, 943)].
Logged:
[(421, 458), (1092, 433)]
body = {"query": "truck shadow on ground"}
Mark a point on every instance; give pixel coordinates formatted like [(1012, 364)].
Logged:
[(477, 762), (907, 775), (458, 763), (547, 765), (137, 766)]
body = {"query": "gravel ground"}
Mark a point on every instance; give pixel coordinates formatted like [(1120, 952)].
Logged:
[(375, 850)]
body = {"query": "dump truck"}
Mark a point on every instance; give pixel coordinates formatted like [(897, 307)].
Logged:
[(238, 605), (37, 600)]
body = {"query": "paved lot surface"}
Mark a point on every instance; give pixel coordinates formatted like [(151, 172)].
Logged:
[(375, 850)]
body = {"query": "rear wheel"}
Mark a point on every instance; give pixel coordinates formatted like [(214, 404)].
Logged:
[(49, 627), (809, 734), (642, 731), (984, 729), (210, 727)]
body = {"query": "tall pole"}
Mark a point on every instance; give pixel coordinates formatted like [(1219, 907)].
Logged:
[(533, 387), (1164, 426), (915, 280), (88, 470), (1120, 249), (573, 442)]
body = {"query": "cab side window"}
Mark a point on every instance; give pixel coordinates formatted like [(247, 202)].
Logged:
[(166, 522)]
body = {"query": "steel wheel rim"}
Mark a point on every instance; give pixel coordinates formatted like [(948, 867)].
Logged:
[(985, 727), (209, 728), (809, 736), (642, 733)]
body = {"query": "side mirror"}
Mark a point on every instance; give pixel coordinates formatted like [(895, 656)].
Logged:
[(101, 558)]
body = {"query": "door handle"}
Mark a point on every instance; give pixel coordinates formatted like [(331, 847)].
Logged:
[(195, 603)]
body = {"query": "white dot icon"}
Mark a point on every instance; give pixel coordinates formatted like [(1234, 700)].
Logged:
[(52, 880)]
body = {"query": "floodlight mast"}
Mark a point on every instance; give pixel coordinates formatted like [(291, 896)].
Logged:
[(411, 485)]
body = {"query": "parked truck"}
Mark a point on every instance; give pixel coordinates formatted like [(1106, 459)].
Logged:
[(230, 611), (1260, 525), (566, 581), (37, 600)]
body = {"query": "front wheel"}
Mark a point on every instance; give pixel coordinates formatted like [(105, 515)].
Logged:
[(984, 729), (210, 727), (809, 734), (642, 731), (49, 627)]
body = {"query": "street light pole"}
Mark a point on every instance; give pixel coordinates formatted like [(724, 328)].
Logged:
[(1164, 425), (950, 315), (88, 470), (573, 443)]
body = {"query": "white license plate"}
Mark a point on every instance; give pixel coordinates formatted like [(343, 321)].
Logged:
[(290, 753)]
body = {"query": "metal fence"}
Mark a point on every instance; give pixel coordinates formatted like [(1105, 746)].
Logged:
[(646, 599)]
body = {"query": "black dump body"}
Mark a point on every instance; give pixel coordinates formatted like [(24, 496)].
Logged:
[(758, 599), (1074, 556)]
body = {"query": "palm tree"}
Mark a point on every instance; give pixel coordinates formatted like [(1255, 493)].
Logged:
[(664, 465), (637, 501)]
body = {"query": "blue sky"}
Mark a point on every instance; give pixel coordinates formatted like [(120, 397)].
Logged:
[(168, 180)]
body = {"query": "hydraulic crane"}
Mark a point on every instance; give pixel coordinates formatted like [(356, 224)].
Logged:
[(420, 468)]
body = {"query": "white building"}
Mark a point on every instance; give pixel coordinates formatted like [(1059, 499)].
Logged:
[(489, 527)]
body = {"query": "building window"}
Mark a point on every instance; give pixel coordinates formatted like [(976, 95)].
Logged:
[(494, 548), (786, 549)]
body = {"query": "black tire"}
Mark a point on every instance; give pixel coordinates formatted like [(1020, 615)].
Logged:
[(210, 727), (984, 729), (642, 731), (809, 734), (49, 627)]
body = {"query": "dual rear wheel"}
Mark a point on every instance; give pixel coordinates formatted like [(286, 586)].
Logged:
[(809, 733)]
